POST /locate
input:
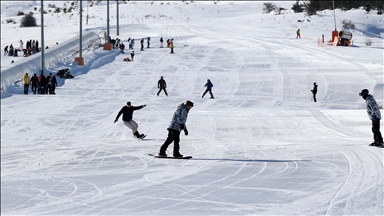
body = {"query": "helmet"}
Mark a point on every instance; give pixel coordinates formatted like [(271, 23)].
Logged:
[(364, 92)]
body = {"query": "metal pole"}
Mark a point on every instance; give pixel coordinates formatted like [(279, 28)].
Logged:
[(108, 22), (117, 16), (81, 28), (87, 11), (334, 14), (42, 38)]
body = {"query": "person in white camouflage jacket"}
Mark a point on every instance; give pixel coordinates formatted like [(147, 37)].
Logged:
[(175, 127), (374, 115)]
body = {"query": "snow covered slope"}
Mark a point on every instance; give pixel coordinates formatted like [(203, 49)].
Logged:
[(261, 147)]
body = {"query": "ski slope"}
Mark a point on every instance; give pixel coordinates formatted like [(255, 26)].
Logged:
[(261, 147)]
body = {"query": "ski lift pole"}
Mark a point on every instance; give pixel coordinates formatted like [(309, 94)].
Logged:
[(334, 14)]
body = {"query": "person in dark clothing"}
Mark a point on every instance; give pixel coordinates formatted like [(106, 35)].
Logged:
[(142, 44), (148, 39), (209, 86), (177, 124), (132, 55), (127, 112), (54, 84), (374, 115), (42, 84), (162, 85), (161, 42), (49, 84), (34, 82), (314, 91), (6, 51)]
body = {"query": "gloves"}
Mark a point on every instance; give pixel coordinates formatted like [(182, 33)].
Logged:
[(374, 119), (182, 126), (186, 132)]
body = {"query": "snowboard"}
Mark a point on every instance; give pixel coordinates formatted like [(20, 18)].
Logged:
[(141, 138), (168, 157)]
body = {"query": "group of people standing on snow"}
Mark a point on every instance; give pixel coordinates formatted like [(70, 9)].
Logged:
[(131, 43), (31, 48), (40, 84), (176, 126)]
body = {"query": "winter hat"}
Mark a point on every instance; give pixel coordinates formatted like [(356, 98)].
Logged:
[(128, 103), (364, 92), (189, 103), (161, 77)]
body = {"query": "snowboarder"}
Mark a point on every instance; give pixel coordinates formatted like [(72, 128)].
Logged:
[(122, 47), (161, 42), (142, 44), (209, 86), (26, 83), (162, 85), (132, 43), (314, 91), (127, 112), (177, 124), (132, 55), (374, 115), (298, 33)]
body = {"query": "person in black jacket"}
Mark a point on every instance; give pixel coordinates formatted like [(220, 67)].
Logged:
[(162, 85), (142, 44), (314, 91), (127, 112), (34, 82)]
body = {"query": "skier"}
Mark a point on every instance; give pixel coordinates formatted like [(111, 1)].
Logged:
[(162, 85), (177, 124), (298, 33), (374, 115), (161, 42), (26, 83), (148, 39), (209, 86), (127, 112), (314, 91)]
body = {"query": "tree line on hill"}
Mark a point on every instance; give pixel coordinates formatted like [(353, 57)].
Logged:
[(312, 6)]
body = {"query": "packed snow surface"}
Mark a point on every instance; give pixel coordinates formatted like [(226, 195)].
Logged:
[(261, 147)]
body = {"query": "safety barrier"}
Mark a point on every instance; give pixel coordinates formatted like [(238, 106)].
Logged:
[(32, 64)]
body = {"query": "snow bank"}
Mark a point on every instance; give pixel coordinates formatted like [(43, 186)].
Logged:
[(32, 64)]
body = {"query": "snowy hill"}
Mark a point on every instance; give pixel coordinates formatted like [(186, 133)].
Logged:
[(261, 147)]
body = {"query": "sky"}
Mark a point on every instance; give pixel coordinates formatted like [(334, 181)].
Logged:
[(261, 147)]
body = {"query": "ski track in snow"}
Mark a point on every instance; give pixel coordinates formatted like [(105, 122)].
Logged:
[(259, 148)]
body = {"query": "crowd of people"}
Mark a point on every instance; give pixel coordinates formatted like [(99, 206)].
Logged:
[(31, 47), (40, 84)]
